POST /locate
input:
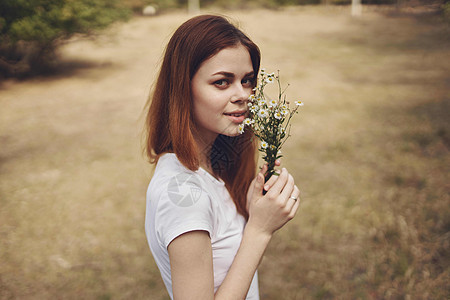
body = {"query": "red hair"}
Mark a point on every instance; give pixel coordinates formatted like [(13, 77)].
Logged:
[(170, 123)]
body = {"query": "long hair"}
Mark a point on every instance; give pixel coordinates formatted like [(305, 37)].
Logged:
[(170, 123)]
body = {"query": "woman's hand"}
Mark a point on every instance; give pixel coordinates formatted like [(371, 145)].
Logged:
[(269, 212), (267, 185)]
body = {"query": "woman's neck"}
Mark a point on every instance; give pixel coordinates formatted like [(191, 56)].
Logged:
[(204, 146)]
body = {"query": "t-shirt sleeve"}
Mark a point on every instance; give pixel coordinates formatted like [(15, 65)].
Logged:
[(183, 206)]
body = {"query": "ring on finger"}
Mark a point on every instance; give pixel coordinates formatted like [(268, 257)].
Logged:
[(295, 198)]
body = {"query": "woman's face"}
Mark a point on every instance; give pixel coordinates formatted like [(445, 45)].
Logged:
[(220, 90)]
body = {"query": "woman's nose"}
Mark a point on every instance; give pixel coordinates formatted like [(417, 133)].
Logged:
[(240, 93)]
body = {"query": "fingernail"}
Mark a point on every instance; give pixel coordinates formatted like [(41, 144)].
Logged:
[(266, 187)]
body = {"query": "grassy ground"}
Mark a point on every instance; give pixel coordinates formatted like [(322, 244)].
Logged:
[(370, 152)]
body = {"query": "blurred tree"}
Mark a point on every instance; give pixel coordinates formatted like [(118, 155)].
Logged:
[(194, 6), (161, 5), (356, 8), (30, 30)]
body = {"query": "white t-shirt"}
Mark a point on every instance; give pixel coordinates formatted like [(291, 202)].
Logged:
[(180, 200)]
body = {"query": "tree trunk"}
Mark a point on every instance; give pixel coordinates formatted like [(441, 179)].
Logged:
[(194, 7), (356, 8)]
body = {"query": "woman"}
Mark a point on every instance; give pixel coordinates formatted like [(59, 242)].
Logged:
[(207, 220)]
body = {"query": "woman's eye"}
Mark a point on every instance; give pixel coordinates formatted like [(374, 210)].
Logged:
[(247, 82), (221, 83)]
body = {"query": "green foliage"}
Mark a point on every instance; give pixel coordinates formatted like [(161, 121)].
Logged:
[(46, 20), (446, 11), (35, 25)]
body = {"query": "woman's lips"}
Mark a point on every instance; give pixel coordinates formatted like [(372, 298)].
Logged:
[(236, 117)]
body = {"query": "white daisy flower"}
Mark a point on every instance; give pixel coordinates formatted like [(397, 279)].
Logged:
[(251, 97), (299, 103), (284, 112), (278, 115), (272, 103), (262, 113), (261, 102), (248, 122), (281, 130), (264, 144), (263, 71), (272, 147), (254, 108), (269, 79), (241, 128)]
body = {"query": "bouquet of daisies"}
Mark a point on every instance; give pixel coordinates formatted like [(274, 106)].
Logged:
[(269, 119)]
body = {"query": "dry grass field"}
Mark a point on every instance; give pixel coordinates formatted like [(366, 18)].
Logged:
[(370, 151)]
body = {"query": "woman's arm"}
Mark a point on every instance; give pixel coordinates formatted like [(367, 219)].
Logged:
[(191, 266), (267, 214), (191, 254)]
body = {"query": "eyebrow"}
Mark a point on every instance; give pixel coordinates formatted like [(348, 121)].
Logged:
[(231, 75)]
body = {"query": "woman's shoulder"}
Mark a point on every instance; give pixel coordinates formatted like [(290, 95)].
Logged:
[(177, 201), (169, 166), (175, 186), (171, 174)]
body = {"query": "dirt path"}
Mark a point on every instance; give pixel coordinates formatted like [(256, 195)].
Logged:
[(73, 181)]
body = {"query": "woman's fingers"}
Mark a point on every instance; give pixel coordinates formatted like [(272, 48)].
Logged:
[(263, 170), (272, 211), (272, 178), (270, 182), (279, 184), (258, 186), (294, 209), (293, 199), (288, 188)]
